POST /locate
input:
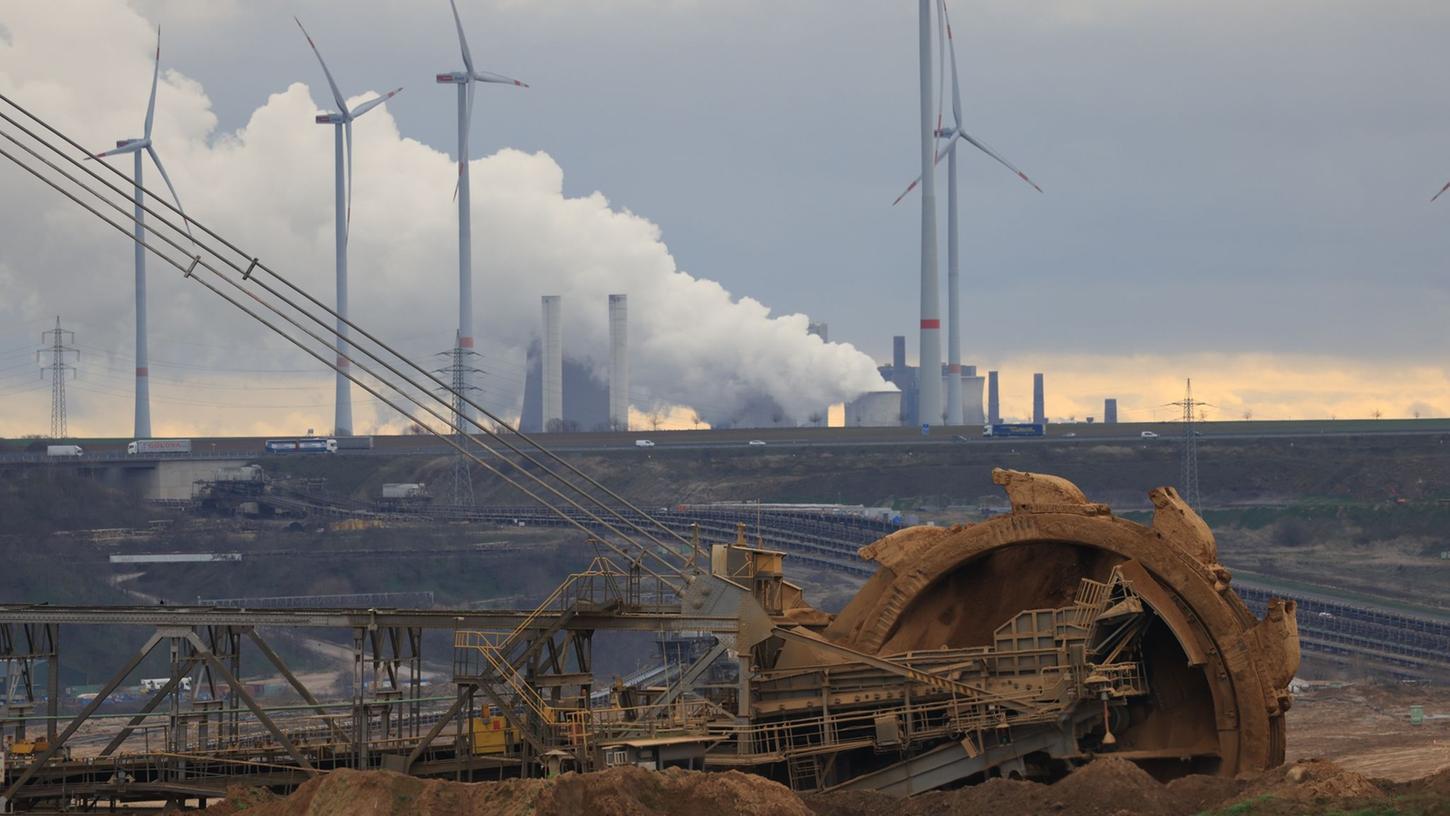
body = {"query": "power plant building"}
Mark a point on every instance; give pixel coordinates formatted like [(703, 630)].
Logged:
[(587, 405), (875, 409), (552, 404), (994, 399), (1039, 411), (972, 386), (618, 362), (908, 379), (1110, 411)]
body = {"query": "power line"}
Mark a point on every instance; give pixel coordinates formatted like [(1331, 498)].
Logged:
[(272, 300), (459, 367), (1189, 479), (55, 339)]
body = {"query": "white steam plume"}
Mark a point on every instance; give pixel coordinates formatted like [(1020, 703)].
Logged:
[(268, 188)]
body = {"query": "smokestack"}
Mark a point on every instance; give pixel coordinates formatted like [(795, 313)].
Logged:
[(994, 400), (1039, 414), (618, 363), (553, 367), (929, 382), (1110, 411), (898, 354)]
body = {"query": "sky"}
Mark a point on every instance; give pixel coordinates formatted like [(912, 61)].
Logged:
[(1236, 192)]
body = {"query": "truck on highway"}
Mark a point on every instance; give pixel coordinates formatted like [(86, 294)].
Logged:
[(63, 450), (301, 444), (1015, 429), (354, 443), (151, 447)]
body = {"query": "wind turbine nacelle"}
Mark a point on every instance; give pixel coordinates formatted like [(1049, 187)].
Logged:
[(451, 79), (126, 142), (328, 119)]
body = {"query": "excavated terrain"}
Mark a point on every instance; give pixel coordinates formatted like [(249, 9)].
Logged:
[(1106, 787)]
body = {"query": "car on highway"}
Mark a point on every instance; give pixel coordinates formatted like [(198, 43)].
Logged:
[(644, 443), (1148, 435), (1069, 435), (756, 443)]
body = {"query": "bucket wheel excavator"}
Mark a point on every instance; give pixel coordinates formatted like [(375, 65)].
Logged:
[(1023, 645)]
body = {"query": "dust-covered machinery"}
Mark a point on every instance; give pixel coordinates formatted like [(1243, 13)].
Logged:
[(1017, 646)]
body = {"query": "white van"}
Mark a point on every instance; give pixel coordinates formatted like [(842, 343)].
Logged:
[(644, 443), (1148, 435)]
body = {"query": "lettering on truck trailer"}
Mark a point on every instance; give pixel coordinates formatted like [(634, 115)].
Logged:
[(303, 444)]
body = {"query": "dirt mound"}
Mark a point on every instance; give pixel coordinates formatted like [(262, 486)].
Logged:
[(991, 798), (1437, 784), (631, 791), (1110, 785), (1192, 794), (852, 803), (1315, 783), (1105, 787), (625, 791)]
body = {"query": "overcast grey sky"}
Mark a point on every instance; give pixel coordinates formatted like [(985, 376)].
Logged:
[(1222, 178), (1231, 176)]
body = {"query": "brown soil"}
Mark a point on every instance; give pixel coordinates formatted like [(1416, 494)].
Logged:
[(1105, 787), (625, 791), (1367, 757), (1365, 727)]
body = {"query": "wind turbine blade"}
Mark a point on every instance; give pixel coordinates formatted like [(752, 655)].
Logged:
[(907, 191), (347, 221), (467, 125), (336, 94), (462, 40), (1437, 195), (155, 78), (129, 148), (487, 76), (940, 154), (941, 57), (990, 152), (156, 160), (952, 50), (374, 102)]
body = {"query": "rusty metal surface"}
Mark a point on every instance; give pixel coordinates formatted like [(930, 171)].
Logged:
[(1220, 675)]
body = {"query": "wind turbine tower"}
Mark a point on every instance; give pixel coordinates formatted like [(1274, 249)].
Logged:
[(342, 170), (951, 137), (136, 147), (465, 80), (929, 398)]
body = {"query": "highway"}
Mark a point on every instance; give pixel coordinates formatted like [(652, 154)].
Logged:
[(1168, 433)]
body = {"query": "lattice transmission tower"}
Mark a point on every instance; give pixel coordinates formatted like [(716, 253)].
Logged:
[(460, 365), (54, 341), (1188, 482)]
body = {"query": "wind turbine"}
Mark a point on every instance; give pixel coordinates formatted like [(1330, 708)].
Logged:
[(342, 153), (950, 138), (136, 147), (465, 81)]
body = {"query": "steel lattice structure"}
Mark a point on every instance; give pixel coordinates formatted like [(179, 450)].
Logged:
[(55, 342)]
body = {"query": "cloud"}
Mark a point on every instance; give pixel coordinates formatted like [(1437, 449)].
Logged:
[(268, 188)]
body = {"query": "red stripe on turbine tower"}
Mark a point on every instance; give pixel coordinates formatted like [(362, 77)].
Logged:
[(142, 371), (954, 368), (930, 323), (465, 342)]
